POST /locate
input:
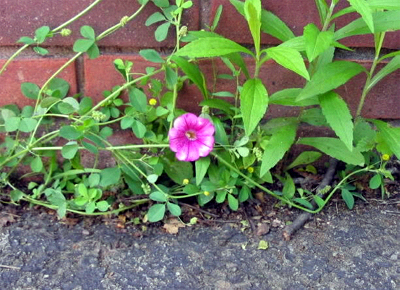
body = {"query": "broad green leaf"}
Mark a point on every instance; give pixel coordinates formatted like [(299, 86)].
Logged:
[(289, 58), (30, 90), (304, 203), (90, 147), (211, 47), (316, 42), (110, 176), (69, 150), (138, 99), (55, 197), (16, 195), (152, 178), (161, 3), (70, 132), (127, 122), (313, 117), (362, 7), (60, 86), (297, 43), (383, 21), (26, 40), (319, 201), (219, 104), (338, 116), (390, 135), (27, 125), (289, 188), (384, 4), (151, 55), (93, 51), (348, 198), (364, 136), (138, 129), (68, 106), (158, 196), (330, 77), (233, 202), (171, 76), (278, 145), (375, 182), (253, 104), (102, 205), (154, 18), (37, 164), (88, 32), (174, 209), (82, 45), (305, 157), (48, 101), (178, 170), (393, 65), (220, 134), (287, 97), (41, 34), (193, 73), (244, 193), (252, 12), (335, 148), (40, 50), (161, 32), (237, 59), (12, 124), (156, 212), (201, 168)]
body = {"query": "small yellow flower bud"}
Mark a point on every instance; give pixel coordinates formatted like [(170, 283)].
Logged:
[(206, 193), (385, 157), (65, 32), (183, 31), (152, 102), (185, 181), (250, 169)]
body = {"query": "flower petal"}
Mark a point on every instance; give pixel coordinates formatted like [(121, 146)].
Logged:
[(174, 133), (185, 122), (203, 148), (207, 129), (178, 144)]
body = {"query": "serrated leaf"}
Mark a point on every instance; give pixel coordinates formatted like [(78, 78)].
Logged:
[(362, 7), (338, 116), (278, 145), (211, 47), (392, 66), (289, 58), (330, 77), (316, 42), (156, 212), (336, 148), (253, 104), (252, 12)]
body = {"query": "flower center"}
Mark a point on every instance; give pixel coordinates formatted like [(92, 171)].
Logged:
[(191, 135)]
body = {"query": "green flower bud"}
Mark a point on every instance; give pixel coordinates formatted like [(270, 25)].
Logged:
[(124, 20), (65, 32)]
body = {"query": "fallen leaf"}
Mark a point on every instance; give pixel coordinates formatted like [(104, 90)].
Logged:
[(262, 229), (263, 245), (6, 219), (172, 227)]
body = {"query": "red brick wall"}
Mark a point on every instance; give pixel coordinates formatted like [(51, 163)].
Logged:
[(20, 17)]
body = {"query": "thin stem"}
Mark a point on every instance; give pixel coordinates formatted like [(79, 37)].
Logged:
[(12, 58)]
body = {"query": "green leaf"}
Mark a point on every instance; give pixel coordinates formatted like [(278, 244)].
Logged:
[(375, 182), (138, 129), (161, 32), (110, 176), (211, 47), (102, 205), (27, 125), (290, 59), (304, 203), (59, 85), (233, 202), (158, 196), (93, 51), (313, 117), (55, 197), (279, 143), (82, 45), (193, 73), (319, 201), (37, 164), (220, 105), (287, 97), (138, 99), (217, 17), (12, 124), (322, 10), (244, 193), (40, 50), (330, 77), (41, 34), (362, 7), (393, 65), (253, 104), (88, 32), (220, 134), (152, 178), (151, 55), (338, 116), (26, 40), (171, 76), (336, 148), (305, 157), (289, 188), (161, 3), (201, 168), (174, 209), (69, 150), (94, 180), (85, 105), (90, 147), (70, 132), (390, 135), (127, 122), (154, 18), (263, 245), (348, 198), (316, 42), (30, 90), (252, 12), (156, 212), (16, 195), (178, 170), (68, 106)]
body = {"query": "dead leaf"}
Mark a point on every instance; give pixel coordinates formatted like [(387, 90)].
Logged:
[(6, 219), (172, 226), (262, 229), (260, 196)]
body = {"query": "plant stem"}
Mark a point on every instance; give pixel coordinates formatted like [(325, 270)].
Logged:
[(12, 58)]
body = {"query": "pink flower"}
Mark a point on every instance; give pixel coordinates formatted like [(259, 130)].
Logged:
[(191, 137)]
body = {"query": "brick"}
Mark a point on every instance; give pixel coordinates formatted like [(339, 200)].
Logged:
[(35, 71), (22, 18), (305, 12)]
